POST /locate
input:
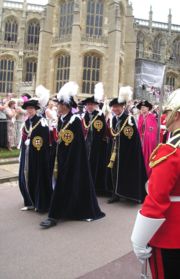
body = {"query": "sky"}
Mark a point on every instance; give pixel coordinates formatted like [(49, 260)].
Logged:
[(160, 9), (141, 9)]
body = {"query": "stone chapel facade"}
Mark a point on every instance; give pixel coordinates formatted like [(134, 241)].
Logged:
[(82, 40)]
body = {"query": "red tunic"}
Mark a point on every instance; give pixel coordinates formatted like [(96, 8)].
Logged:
[(163, 183)]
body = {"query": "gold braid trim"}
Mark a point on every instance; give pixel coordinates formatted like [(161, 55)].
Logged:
[(154, 163), (176, 131), (154, 151), (115, 134), (90, 123)]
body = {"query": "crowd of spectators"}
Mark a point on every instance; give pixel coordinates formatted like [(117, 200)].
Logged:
[(11, 118)]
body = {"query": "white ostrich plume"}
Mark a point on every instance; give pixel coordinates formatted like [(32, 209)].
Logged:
[(98, 92), (42, 94), (67, 91), (125, 94)]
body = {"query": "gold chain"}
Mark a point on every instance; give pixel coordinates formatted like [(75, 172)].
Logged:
[(91, 122), (64, 128), (31, 128), (116, 134)]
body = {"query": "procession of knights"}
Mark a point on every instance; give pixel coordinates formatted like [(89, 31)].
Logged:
[(73, 151)]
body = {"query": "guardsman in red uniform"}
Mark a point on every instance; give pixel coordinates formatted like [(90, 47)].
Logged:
[(156, 233)]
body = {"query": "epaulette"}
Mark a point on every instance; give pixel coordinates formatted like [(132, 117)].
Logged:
[(175, 140), (161, 153)]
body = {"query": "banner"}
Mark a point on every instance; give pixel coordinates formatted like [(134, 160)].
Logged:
[(149, 78)]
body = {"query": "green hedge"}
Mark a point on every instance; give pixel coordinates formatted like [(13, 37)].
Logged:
[(5, 153)]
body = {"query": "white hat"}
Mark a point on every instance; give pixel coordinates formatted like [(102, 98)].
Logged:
[(173, 102)]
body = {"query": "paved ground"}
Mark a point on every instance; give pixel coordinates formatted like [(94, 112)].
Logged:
[(8, 172), (71, 250)]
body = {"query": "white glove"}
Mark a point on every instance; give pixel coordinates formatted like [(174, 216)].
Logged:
[(142, 253), (144, 229)]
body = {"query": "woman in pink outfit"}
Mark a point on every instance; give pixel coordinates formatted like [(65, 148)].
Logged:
[(148, 128)]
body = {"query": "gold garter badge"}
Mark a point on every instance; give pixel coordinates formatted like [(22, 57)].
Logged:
[(98, 124), (128, 132), (67, 136), (37, 142)]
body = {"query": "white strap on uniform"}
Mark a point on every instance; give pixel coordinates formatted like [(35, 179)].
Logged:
[(174, 198)]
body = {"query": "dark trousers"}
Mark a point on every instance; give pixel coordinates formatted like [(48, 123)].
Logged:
[(165, 263)]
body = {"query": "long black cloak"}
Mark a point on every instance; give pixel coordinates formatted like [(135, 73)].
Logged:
[(95, 138), (34, 171), (128, 173), (74, 195)]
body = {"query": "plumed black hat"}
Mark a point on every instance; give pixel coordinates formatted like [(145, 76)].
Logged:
[(31, 103), (66, 93), (70, 103), (89, 100), (145, 104), (115, 102)]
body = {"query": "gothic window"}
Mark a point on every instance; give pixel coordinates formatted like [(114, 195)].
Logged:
[(33, 31), (140, 45), (6, 75), (31, 68), (11, 30), (66, 17), (170, 80), (91, 72), (158, 49), (94, 20), (62, 70), (176, 51)]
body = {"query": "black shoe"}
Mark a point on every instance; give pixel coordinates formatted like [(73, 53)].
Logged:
[(48, 223), (113, 199)]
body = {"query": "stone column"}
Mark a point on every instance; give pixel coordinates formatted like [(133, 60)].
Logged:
[(75, 62), (21, 39), (150, 19), (1, 16), (129, 49), (169, 22), (45, 42), (114, 41)]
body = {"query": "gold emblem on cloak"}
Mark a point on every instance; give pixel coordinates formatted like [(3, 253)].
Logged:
[(67, 136), (37, 142), (98, 124), (128, 132)]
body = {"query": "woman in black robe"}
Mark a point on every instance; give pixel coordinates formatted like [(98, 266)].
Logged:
[(34, 171)]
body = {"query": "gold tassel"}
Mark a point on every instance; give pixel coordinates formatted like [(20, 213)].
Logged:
[(113, 157), (55, 171), (112, 160)]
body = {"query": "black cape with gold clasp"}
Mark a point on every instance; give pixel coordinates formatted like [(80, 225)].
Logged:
[(35, 185), (95, 138), (128, 175), (74, 194)]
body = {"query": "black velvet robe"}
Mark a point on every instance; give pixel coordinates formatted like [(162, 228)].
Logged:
[(34, 171), (96, 148), (128, 175), (74, 195)]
